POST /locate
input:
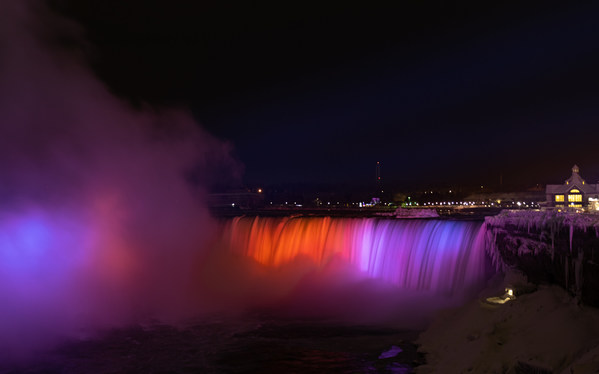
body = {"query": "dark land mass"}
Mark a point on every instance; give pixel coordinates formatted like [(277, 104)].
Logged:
[(478, 214)]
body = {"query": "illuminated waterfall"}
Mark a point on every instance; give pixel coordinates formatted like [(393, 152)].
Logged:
[(434, 255)]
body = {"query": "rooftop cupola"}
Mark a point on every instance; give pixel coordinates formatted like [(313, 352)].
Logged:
[(575, 178)]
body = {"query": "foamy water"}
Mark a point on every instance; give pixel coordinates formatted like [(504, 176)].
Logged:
[(430, 255)]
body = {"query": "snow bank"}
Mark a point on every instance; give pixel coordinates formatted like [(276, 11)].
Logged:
[(543, 331)]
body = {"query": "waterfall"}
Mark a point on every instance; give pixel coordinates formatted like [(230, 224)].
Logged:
[(442, 256)]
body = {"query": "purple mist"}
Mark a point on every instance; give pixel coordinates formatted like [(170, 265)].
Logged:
[(98, 223)]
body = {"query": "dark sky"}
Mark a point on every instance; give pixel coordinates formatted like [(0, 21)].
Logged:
[(439, 93)]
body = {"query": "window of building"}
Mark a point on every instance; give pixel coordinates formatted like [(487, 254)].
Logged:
[(574, 198), (574, 190), (559, 198)]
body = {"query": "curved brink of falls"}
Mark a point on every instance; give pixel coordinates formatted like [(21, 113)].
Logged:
[(445, 257)]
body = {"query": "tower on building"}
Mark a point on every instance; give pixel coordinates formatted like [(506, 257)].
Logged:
[(379, 182)]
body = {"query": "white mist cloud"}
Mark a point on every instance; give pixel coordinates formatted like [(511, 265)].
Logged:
[(98, 224)]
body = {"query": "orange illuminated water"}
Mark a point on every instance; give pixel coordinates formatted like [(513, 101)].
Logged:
[(437, 255)]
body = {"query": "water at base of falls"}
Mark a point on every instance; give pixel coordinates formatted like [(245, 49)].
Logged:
[(253, 344)]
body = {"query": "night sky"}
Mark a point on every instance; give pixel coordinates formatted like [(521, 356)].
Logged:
[(441, 94)]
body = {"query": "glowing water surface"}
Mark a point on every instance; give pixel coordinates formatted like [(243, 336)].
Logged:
[(435, 255)]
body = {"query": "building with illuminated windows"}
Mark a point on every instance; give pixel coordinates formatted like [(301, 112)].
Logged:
[(574, 193)]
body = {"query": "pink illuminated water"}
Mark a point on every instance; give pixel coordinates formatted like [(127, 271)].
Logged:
[(433, 255)]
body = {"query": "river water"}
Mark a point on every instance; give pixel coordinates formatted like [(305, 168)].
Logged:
[(253, 344)]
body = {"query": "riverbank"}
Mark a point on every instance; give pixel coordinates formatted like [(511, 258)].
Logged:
[(545, 331)]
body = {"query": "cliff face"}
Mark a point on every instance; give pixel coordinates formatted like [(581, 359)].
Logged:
[(549, 247)]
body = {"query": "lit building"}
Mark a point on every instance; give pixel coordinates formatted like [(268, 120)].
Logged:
[(574, 193)]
